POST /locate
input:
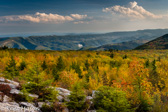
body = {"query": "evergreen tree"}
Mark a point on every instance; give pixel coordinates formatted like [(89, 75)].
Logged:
[(147, 63), (109, 99), (77, 69), (55, 73), (77, 99), (11, 69), (154, 77), (87, 65), (44, 65), (22, 65), (60, 64), (112, 55)]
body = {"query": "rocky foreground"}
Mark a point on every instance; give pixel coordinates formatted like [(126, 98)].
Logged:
[(10, 92)]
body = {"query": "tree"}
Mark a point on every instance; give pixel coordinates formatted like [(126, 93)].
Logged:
[(44, 65), (154, 77), (112, 55), (110, 100), (60, 64), (147, 63), (87, 65), (77, 69), (77, 99), (22, 65), (55, 73), (11, 69)]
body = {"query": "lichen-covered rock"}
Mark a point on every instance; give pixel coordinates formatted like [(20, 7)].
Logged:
[(29, 105), (60, 98), (2, 79), (89, 98), (14, 107), (13, 82), (6, 99), (63, 93), (40, 104), (18, 92), (12, 86), (62, 90)]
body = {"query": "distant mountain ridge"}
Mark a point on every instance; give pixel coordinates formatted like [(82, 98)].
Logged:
[(158, 43), (75, 42)]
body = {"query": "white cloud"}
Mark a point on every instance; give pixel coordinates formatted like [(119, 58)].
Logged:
[(77, 16), (133, 11), (43, 18)]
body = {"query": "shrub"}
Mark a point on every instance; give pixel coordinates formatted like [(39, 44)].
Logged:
[(77, 99), (110, 100)]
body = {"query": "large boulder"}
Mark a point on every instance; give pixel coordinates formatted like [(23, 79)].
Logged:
[(63, 94), (6, 99), (13, 82), (14, 107), (16, 92), (30, 106)]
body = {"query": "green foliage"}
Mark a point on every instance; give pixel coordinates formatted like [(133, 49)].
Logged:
[(42, 89), (44, 65), (87, 65), (114, 63), (143, 106), (154, 77), (55, 73), (11, 69), (111, 100), (47, 108), (77, 99), (125, 57), (60, 64), (77, 69), (112, 55), (147, 63), (22, 65)]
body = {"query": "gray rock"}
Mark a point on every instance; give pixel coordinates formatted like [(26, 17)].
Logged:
[(13, 82), (29, 105), (33, 96), (6, 99), (64, 93), (40, 104), (12, 86), (93, 93), (91, 111), (17, 92), (63, 90), (60, 98), (14, 107), (13, 103), (89, 98), (2, 79)]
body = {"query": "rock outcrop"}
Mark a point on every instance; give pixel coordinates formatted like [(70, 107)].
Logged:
[(9, 92)]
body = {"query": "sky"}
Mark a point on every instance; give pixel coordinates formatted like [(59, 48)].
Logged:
[(81, 16)]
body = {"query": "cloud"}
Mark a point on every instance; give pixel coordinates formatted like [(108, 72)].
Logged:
[(43, 18), (81, 22), (77, 16), (133, 11)]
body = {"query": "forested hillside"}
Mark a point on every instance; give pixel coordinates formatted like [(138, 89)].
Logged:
[(125, 80), (118, 40)]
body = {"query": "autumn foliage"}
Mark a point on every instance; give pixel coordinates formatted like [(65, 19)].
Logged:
[(141, 76)]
